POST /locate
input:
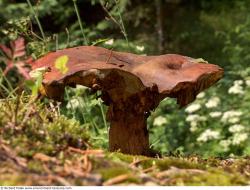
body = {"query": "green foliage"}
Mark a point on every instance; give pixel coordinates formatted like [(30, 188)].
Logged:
[(212, 125), (217, 123), (82, 105)]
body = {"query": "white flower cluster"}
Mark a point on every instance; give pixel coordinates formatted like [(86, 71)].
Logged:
[(231, 116), (193, 108), (225, 144), (238, 138), (208, 134), (201, 95), (213, 102), (159, 121), (215, 114), (236, 128), (236, 88), (194, 119), (73, 104), (140, 48), (247, 81)]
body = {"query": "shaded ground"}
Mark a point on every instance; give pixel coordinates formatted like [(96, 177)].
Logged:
[(40, 147), (95, 167)]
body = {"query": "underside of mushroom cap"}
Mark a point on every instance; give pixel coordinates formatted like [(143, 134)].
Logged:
[(122, 75)]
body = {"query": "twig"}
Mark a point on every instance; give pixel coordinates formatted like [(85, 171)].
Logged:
[(174, 170), (117, 179), (137, 161), (44, 158), (60, 180), (97, 151), (149, 169), (121, 25), (12, 156), (110, 55), (87, 166)]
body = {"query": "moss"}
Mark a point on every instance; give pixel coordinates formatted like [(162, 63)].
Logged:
[(116, 156), (214, 162), (11, 180), (67, 132), (42, 132), (166, 163), (35, 166), (109, 173), (215, 177), (143, 161)]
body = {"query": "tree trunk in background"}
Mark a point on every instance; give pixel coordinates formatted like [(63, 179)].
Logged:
[(159, 26)]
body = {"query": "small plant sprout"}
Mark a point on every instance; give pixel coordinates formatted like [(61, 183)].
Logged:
[(35, 84), (131, 85)]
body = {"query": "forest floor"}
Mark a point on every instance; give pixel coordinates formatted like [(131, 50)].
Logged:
[(38, 147), (94, 167)]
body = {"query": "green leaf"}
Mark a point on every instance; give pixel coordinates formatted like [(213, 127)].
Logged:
[(61, 64), (30, 83), (35, 84), (200, 60)]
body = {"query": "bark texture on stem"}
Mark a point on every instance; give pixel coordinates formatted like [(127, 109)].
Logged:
[(128, 132), (128, 122)]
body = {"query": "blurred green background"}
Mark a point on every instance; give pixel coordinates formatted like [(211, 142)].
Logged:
[(217, 123)]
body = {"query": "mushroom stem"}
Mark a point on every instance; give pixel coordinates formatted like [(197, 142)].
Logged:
[(128, 120), (128, 132)]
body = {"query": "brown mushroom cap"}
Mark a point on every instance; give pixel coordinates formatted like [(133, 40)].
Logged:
[(124, 74)]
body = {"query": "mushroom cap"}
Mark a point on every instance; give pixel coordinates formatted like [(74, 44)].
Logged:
[(124, 74)]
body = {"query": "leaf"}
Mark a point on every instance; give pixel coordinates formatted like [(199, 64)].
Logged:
[(30, 84), (16, 50), (9, 66), (61, 64), (200, 60), (6, 51), (35, 84), (24, 71)]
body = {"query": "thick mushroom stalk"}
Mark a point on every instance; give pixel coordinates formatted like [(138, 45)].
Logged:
[(128, 120), (131, 85)]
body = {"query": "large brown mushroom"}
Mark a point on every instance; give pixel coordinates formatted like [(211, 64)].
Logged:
[(131, 85)]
